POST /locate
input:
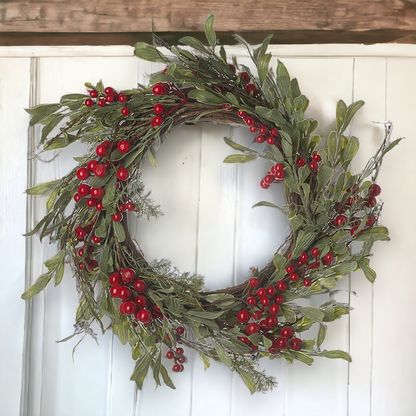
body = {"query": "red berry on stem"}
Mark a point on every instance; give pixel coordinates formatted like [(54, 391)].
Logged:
[(123, 174), (81, 252), (253, 129), (158, 109), (109, 98), (101, 102), (159, 89), (264, 184), (249, 121), (115, 291), (287, 332), (282, 343), (274, 309), (340, 220), (316, 157), (260, 139), (99, 206), (141, 300), (263, 130), (93, 93), (83, 190), (157, 121), (294, 277), (374, 190), (91, 202), (290, 269), (180, 330), (329, 257), (296, 344), (128, 308), (125, 111), (124, 146), (128, 275), (279, 299), (170, 355), (114, 279), (124, 293), (80, 232), (108, 90), (139, 286), (271, 140), (251, 300), (101, 150), (254, 282), (122, 98), (281, 285), (100, 170), (265, 301), (117, 217), (91, 165), (130, 206), (77, 197), (274, 131), (251, 89), (269, 179), (315, 252), (243, 316), (252, 328), (241, 113), (271, 321), (88, 102), (300, 162), (97, 193), (307, 282), (261, 292), (313, 165), (144, 316), (304, 257), (96, 239), (244, 76), (271, 291)]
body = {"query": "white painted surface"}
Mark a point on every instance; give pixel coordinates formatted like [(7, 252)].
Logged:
[(209, 227)]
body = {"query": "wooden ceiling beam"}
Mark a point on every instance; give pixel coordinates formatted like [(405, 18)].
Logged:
[(291, 21)]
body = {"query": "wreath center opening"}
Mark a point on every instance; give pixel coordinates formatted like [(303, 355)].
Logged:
[(208, 224)]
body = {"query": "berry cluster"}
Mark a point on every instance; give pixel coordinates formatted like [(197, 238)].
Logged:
[(108, 96), (276, 174), (357, 206), (84, 234), (177, 354)]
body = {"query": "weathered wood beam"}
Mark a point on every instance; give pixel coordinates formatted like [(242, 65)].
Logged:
[(292, 21)]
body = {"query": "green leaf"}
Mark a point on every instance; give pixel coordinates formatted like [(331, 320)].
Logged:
[(309, 345), (263, 68), (303, 173), (56, 119), (55, 260), (268, 204), (303, 357), (237, 146), (350, 150), (352, 109), (206, 315), (141, 370), (43, 188), (156, 368), (38, 286), (321, 335), (205, 360), (288, 313), (136, 352), (336, 354), (324, 175), (222, 354), (194, 43), (105, 256), (149, 53), (369, 273), (59, 273), (40, 112), (209, 31), (166, 379), (240, 158), (110, 192), (119, 231), (261, 50), (345, 267), (205, 97), (303, 242), (315, 314), (333, 144), (248, 380), (341, 114)]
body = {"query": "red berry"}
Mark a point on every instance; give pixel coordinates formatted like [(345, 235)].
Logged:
[(251, 88), (157, 121), (374, 190), (97, 193), (122, 98), (93, 93), (269, 179), (370, 221), (340, 220), (130, 206), (117, 217), (282, 343), (114, 279), (294, 277), (128, 308), (99, 206), (125, 111), (296, 344), (88, 102), (264, 184), (128, 275), (123, 174), (261, 292), (254, 282), (179, 351), (243, 316), (81, 252), (371, 202), (108, 90), (274, 131), (241, 113), (315, 252), (287, 332), (139, 286), (281, 285), (245, 77), (91, 165), (329, 257), (80, 232), (115, 291), (290, 269), (227, 107), (122, 207), (249, 121), (279, 299), (260, 139), (274, 309), (273, 350), (124, 293), (300, 162), (124, 146), (307, 282), (141, 300), (271, 140), (143, 316), (316, 157), (159, 89), (278, 167), (180, 330), (83, 190), (313, 165), (257, 315), (304, 257), (109, 98), (271, 321), (101, 150), (271, 291), (96, 239), (170, 355), (253, 129), (100, 170), (158, 109), (176, 368), (265, 301), (251, 300), (101, 102), (263, 130), (77, 197), (232, 67), (252, 328)]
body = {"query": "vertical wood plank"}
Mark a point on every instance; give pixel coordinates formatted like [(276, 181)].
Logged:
[(369, 85), (14, 97), (394, 365)]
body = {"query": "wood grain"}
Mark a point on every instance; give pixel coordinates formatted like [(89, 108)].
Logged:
[(292, 21)]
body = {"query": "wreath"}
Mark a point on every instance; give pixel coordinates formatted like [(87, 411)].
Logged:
[(157, 309)]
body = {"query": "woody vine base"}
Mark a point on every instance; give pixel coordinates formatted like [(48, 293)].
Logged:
[(159, 311)]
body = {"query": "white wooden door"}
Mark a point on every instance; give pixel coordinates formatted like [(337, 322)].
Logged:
[(208, 227)]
